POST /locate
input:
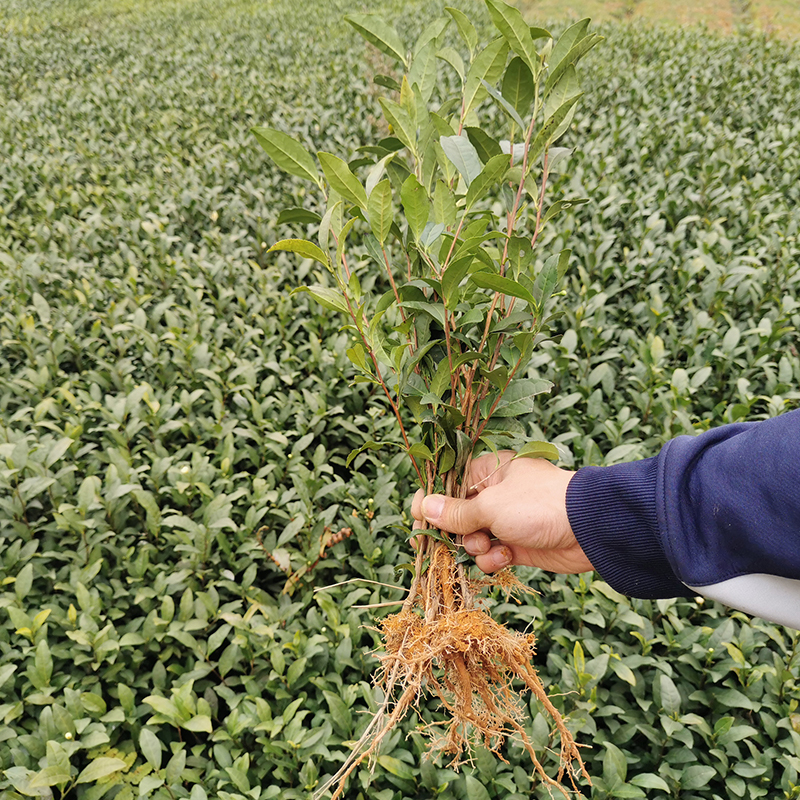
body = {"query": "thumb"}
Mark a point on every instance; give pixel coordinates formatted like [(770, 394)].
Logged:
[(454, 515)]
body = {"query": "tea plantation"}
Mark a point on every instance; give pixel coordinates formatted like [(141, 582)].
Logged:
[(174, 426)]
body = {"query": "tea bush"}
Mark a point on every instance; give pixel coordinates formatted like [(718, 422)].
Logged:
[(175, 427)]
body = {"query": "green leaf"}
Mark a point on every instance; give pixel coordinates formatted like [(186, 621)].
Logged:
[(379, 33), (546, 281), (416, 204), (369, 446), (518, 86), (733, 698), (358, 356), (31, 487), (296, 670), (572, 57), (444, 204), (567, 87), (341, 716), (455, 273), (340, 177), (464, 157), (6, 671), (519, 397), (567, 40), (58, 450), (163, 706), (419, 450), (475, 789), (101, 768), (175, 767), (402, 125), (199, 723), (506, 106), (497, 283), (23, 581), (387, 82), (376, 173), (670, 696), (549, 129), (302, 247), (299, 216), (331, 299), (561, 205), (485, 145), (430, 33), (288, 155), (508, 20), (93, 703), (494, 170), (150, 747), (538, 450), (57, 756), (465, 28), (623, 671), (487, 66), (696, 777), (424, 70), (379, 210), (648, 780), (43, 663), (397, 767), (615, 766), (452, 57), (49, 776)]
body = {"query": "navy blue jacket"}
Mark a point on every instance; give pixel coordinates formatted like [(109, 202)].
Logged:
[(716, 514)]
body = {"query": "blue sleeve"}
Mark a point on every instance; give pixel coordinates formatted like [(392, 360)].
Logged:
[(717, 514)]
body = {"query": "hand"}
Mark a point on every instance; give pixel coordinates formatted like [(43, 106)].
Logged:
[(515, 513)]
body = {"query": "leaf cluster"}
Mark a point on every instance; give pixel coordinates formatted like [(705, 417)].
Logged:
[(449, 343)]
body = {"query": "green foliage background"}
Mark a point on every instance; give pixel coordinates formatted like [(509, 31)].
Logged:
[(163, 399)]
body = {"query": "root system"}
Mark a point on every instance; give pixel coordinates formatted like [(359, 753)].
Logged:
[(443, 644)]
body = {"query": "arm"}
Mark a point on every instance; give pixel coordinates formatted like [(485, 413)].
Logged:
[(716, 514)]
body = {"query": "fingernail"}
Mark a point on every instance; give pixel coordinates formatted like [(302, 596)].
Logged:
[(432, 507), (501, 557)]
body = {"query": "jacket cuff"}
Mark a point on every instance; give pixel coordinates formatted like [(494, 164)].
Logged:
[(612, 511)]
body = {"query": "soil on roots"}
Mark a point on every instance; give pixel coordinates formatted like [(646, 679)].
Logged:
[(442, 644)]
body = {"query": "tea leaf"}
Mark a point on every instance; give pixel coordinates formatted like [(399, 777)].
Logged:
[(288, 154), (340, 177), (100, 768), (497, 283), (380, 34), (302, 247), (491, 173), (402, 125), (508, 20), (517, 87), (463, 156), (538, 450), (415, 204), (150, 746), (486, 66), (326, 297), (465, 28)]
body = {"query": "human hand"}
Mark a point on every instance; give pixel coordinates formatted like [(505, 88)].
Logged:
[(514, 513)]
